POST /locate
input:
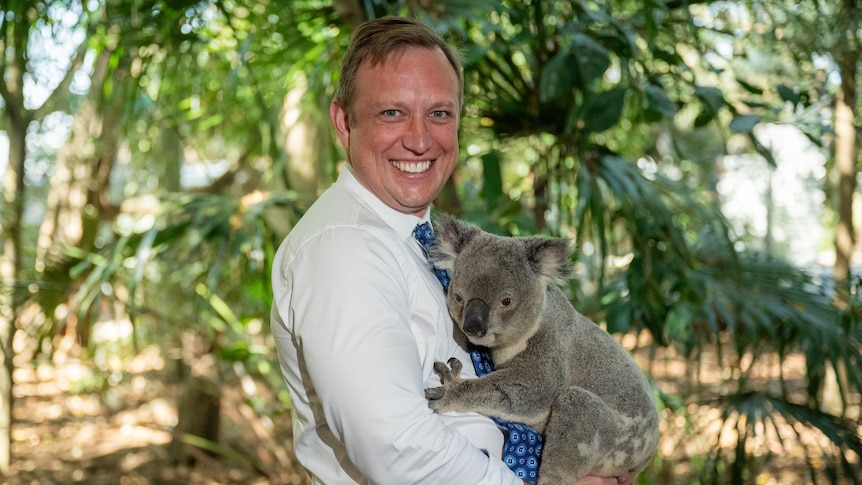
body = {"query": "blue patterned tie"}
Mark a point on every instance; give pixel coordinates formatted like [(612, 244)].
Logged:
[(523, 447)]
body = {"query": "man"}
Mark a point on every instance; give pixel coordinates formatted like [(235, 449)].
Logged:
[(358, 316)]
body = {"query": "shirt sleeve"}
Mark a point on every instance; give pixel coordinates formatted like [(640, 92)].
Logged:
[(351, 315)]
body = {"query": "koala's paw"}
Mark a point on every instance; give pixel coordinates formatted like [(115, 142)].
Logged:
[(440, 398), (449, 374)]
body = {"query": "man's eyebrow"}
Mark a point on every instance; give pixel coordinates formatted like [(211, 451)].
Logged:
[(444, 104), (386, 105)]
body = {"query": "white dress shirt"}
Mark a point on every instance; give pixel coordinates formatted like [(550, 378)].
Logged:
[(359, 320)]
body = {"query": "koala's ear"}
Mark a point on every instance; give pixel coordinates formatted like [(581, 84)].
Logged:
[(550, 257), (451, 236)]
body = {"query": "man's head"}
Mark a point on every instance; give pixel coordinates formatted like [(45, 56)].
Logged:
[(397, 111)]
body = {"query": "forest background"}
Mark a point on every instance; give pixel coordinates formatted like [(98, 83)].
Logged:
[(156, 152)]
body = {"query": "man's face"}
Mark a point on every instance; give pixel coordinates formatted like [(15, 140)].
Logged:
[(403, 139)]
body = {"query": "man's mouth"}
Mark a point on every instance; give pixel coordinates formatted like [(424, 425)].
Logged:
[(411, 167)]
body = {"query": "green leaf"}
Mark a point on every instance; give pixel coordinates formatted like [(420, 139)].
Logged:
[(658, 101), (704, 118), (604, 110), (592, 58), (762, 150), (573, 67), (787, 93), (712, 100), (236, 352), (619, 318), (558, 77), (678, 323), (711, 97), (749, 87), (492, 179), (744, 123)]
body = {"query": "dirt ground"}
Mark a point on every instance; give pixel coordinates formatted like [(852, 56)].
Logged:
[(77, 421), (74, 424)]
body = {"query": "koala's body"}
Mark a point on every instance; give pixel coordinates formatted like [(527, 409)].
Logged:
[(555, 370)]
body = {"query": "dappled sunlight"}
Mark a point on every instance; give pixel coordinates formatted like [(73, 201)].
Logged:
[(71, 424), (782, 451), (698, 154)]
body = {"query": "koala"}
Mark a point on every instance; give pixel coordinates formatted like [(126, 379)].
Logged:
[(555, 370)]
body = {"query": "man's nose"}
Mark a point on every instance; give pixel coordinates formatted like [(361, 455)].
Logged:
[(417, 138)]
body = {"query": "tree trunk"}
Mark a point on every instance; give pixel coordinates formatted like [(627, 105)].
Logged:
[(10, 268), (199, 407), (18, 118), (845, 166), (836, 383)]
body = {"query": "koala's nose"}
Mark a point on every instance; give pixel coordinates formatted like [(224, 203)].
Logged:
[(476, 318)]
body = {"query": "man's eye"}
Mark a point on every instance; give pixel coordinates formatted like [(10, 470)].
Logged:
[(390, 112), (439, 114)]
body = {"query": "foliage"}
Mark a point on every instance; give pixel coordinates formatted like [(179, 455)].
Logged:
[(217, 242), (567, 105), (590, 85)]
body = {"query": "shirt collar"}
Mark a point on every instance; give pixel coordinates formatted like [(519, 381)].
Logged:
[(402, 224)]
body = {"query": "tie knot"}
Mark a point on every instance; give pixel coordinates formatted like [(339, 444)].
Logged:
[(424, 234)]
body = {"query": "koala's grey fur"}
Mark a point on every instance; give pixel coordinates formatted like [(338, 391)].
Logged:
[(555, 370)]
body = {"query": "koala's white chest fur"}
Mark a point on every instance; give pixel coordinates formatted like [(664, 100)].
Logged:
[(504, 353), (555, 370)]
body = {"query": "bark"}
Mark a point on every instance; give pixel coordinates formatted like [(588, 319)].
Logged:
[(303, 140), (10, 268), (837, 382), (12, 68), (845, 166), (199, 407)]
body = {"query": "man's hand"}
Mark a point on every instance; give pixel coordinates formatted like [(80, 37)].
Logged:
[(624, 480)]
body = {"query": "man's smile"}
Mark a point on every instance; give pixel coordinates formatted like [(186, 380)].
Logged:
[(412, 167)]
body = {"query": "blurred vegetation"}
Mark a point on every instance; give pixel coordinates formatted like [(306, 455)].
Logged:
[(160, 151)]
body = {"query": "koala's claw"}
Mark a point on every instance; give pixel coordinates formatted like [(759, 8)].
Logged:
[(455, 365), (449, 373), (441, 370), (433, 393)]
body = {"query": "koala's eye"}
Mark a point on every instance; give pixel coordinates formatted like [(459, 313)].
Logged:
[(506, 301), (457, 298)]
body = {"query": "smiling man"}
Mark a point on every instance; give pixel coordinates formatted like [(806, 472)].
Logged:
[(358, 316)]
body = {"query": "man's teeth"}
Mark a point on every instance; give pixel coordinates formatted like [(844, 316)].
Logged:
[(411, 167)]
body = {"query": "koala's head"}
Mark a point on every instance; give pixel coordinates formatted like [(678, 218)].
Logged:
[(498, 286)]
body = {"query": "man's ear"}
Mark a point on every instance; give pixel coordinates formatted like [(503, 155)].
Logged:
[(341, 121)]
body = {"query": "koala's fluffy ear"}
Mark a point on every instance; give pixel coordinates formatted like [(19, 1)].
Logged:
[(550, 257), (451, 236)]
